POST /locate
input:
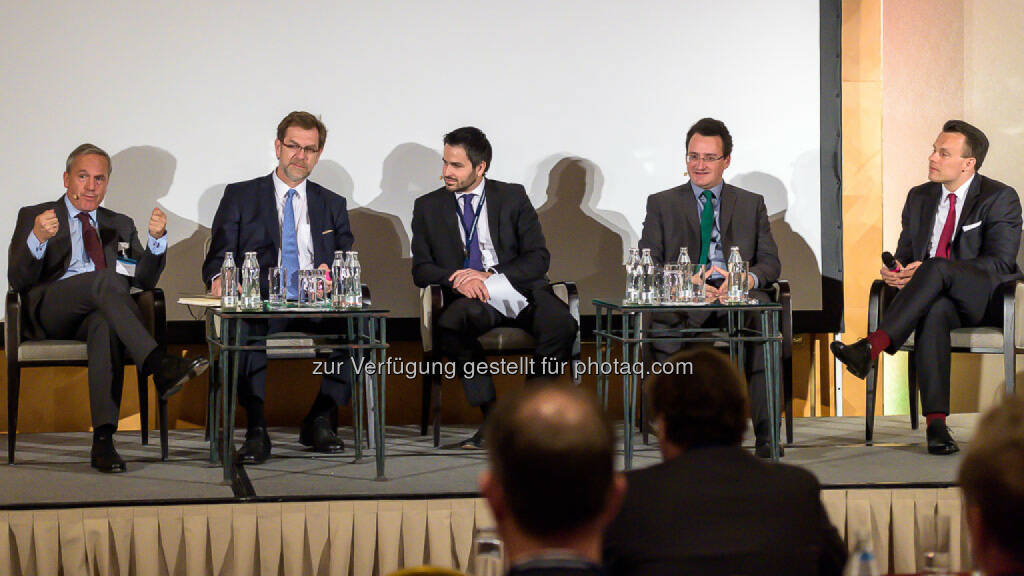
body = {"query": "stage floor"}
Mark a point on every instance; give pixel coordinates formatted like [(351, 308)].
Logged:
[(52, 470)]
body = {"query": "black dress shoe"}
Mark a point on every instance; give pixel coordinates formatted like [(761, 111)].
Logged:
[(175, 371), (474, 442), (856, 356), (104, 456), (319, 434), (940, 441), (763, 450), (256, 448)]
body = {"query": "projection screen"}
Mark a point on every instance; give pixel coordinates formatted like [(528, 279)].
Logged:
[(585, 102)]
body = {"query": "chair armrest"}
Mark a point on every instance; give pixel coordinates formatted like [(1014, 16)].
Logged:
[(367, 301), (154, 313), (784, 296), (12, 326), (1013, 323), (431, 302)]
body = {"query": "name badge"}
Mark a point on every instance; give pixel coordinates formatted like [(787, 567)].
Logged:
[(125, 263)]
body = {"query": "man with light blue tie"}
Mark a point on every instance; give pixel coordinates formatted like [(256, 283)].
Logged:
[(297, 224), (73, 263)]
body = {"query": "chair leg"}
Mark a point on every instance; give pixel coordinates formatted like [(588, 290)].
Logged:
[(435, 410), (143, 404), (1010, 365), (912, 384), (162, 416), (426, 385), (870, 387), (787, 393), (13, 388)]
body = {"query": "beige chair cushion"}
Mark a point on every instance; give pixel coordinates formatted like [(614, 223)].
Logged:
[(52, 351), (981, 337)]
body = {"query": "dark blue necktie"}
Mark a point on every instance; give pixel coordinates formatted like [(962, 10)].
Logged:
[(290, 246), (472, 244)]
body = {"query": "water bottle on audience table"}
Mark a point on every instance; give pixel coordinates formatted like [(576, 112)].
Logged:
[(634, 280), (737, 279), (228, 279), (251, 299), (354, 295), (647, 292), (338, 274), (862, 559)]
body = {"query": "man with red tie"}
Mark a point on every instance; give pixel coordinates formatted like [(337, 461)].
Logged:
[(961, 233)]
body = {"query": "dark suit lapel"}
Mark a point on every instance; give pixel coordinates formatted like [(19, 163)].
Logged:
[(727, 205), (924, 232), (108, 235), (450, 217), (690, 210), (267, 201), (316, 210), (966, 216), (492, 206), (61, 242)]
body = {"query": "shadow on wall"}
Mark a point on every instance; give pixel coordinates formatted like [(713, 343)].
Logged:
[(799, 265), (586, 244), (379, 227), (142, 176)]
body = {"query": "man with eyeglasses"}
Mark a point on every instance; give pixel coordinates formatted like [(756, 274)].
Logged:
[(709, 217), (297, 224)]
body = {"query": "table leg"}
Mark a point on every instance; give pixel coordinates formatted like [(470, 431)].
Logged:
[(380, 382), (769, 381), (358, 386), (599, 355)]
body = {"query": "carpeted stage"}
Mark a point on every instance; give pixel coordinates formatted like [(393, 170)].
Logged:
[(300, 514)]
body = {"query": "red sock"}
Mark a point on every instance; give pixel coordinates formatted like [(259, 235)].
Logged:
[(929, 418), (879, 341)]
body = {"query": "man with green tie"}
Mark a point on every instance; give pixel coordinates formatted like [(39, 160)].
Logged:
[(708, 217)]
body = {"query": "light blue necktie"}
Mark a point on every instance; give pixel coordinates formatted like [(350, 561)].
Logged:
[(290, 247)]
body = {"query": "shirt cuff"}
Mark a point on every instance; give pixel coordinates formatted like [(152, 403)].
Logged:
[(757, 282), (36, 247), (157, 246)]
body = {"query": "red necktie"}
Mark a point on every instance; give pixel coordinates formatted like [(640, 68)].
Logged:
[(92, 242), (947, 230)]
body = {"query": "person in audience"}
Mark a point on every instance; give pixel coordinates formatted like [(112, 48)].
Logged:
[(709, 217), (711, 507), (73, 262), (551, 481), (294, 223), (961, 232), (992, 478), (463, 233)]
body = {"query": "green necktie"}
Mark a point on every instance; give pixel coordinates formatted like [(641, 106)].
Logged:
[(707, 224)]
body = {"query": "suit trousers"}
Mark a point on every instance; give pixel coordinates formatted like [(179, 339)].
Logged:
[(97, 307), (753, 354), (464, 320), (252, 377), (941, 296)]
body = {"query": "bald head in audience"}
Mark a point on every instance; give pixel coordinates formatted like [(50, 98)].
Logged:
[(551, 481), (992, 479)]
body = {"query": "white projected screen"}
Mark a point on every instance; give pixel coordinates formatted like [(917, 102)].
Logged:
[(585, 102)]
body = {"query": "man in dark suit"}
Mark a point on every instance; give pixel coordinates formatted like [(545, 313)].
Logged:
[(462, 234), (74, 263), (551, 479), (297, 224), (711, 508), (961, 233), (708, 217)]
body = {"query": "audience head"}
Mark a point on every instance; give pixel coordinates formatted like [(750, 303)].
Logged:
[(708, 152), (467, 156), (86, 174), (992, 479), (551, 477), (703, 403), (300, 141)]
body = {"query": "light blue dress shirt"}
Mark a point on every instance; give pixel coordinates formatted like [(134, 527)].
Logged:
[(716, 254)]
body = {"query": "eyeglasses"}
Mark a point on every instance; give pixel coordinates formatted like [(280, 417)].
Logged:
[(707, 158), (295, 149)]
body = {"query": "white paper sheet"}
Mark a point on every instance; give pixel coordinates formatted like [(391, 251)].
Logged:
[(504, 298)]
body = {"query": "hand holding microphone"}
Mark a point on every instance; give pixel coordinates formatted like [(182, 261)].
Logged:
[(46, 225), (890, 262), (895, 274)]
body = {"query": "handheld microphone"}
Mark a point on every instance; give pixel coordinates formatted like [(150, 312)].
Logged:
[(890, 262)]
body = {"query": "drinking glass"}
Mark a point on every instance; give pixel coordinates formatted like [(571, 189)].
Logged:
[(323, 296), (697, 272), (278, 287), (488, 553), (306, 288), (671, 284)]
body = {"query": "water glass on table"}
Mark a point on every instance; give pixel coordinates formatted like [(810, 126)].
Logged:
[(277, 277)]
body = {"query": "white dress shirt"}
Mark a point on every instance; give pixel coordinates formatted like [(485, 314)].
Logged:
[(943, 211), (300, 209), (488, 254)]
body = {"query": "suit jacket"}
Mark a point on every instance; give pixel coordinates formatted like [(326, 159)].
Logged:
[(247, 221), (720, 510), (31, 277), (437, 249), (988, 231), (673, 221)]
